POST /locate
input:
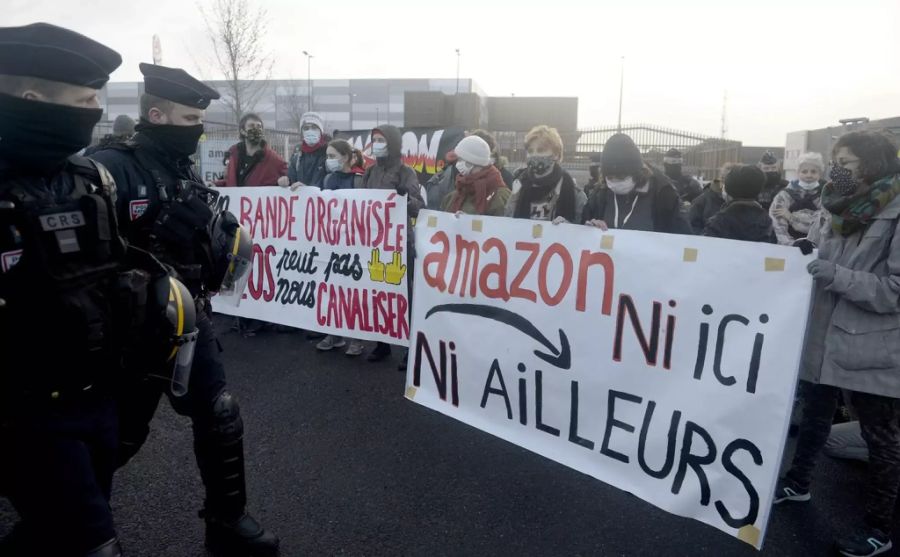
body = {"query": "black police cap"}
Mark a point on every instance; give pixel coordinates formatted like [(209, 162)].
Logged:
[(56, 54), (176, 85)]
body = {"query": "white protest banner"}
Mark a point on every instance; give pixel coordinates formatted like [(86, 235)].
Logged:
[(331, 261), (664, 365)]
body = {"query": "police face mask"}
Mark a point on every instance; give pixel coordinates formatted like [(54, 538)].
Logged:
[(179, 141), (673, 170), (42, 135)]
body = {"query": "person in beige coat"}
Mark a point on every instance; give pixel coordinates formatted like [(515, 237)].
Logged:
[(853, 339)]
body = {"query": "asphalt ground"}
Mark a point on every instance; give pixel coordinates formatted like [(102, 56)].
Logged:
[(339, 463)]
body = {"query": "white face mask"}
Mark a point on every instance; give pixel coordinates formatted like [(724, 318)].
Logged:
[(464, 168), (621, 187), (808, 185), (379, 150), (333, 165), (311, 137)]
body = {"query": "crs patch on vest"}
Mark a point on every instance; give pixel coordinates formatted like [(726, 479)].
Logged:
[(61, 221), (9, 259), (137, 208)]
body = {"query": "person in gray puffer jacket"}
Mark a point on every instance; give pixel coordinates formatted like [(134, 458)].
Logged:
[(853, 338)]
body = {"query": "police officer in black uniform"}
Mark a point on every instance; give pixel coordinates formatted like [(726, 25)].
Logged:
[(688, 188), (164, 208), (71, 299)]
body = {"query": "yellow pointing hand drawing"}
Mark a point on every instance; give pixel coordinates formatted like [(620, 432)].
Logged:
[(376, 267), (395, 269)]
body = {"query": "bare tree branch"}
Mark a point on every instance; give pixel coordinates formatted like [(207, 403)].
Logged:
[(236, 33)]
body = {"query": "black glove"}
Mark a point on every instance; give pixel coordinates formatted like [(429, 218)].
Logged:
[(806, 247)]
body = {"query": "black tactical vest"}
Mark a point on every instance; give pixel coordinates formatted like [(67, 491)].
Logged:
[(61, 258)]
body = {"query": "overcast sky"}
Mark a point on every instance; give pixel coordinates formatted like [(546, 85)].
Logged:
[(787, 65)]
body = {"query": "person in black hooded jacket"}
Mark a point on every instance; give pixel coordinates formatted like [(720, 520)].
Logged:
[(389, 173), (632, 195), (743, 218)]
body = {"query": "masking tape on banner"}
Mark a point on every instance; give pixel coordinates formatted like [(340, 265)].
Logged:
[(690, 255), (477, 225), (749, 534), (606, 242), (432, 221), (537, 231), (774, 264), (411, 392)]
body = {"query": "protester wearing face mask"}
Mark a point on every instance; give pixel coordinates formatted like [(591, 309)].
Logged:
[(252, 162), (853, 339), (345, 166), (390, 173), (709, 202), (633, 196), (687, 187), (795, 208), (479, 186), (307, 166), (742, 217), (774, 183), (543, 190)]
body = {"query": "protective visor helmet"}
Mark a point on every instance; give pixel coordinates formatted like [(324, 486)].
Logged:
[(176, 332), (232, 251)]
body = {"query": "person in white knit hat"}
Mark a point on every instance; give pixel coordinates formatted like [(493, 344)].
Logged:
[(480, 189)]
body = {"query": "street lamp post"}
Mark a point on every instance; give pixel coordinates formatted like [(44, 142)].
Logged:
[(377, 116), (309, 58), (621, 87), (457, 71)]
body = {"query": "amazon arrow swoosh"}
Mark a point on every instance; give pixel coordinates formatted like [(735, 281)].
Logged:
[(560, 357)]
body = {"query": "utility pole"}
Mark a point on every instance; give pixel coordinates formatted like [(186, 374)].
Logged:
[(309, 58), (621, 88)]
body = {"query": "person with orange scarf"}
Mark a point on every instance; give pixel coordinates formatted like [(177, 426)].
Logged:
[(480, 189)]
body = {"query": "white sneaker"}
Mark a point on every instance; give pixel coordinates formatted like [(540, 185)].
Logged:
[(356, 348), (330, 342)]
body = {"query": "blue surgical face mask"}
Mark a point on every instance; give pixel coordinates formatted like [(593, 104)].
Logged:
[(312, 137), (333, 165), (379, 150)]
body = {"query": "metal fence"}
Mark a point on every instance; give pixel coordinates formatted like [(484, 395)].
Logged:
[(703, 155)]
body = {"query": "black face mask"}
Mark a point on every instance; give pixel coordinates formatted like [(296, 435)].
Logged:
[(673, 170), (180, 142), (773, 178), (42, 135)]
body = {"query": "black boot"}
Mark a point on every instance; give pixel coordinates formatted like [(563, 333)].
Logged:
[(219, 448), (243, 537), (382, 350)]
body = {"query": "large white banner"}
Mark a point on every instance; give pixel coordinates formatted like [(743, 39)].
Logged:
[(330, 261), (664, 365)]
